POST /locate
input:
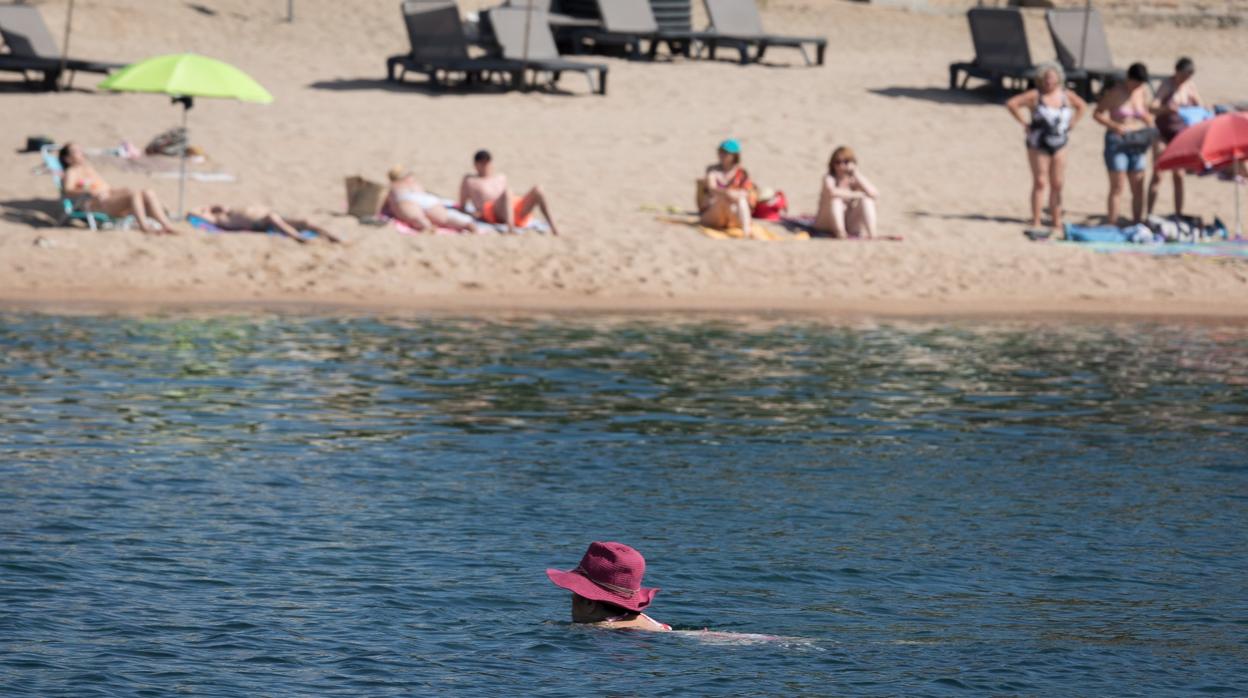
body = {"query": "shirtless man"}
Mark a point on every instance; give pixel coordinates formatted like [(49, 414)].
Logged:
[(260, 220), (410, 203), (495, 202)]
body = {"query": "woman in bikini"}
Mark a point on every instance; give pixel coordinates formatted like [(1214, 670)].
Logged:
[(846, 199), (606, 588), (408, 202), (1175, 94), (81, 179), (1048, 115), (1129, 135), (727, 198)]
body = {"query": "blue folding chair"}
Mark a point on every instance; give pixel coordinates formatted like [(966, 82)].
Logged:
[(72, 209)]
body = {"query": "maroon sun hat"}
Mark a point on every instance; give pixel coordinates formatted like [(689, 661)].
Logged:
[(609, 572)]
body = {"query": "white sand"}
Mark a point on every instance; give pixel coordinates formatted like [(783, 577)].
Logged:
[(952, 170)]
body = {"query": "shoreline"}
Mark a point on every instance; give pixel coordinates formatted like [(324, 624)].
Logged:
[(129, 302)]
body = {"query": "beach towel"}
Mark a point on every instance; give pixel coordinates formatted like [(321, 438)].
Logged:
[(1225, 249), (1094, 233), (761, 231), (207, 226), (533, 226), (806, 223)]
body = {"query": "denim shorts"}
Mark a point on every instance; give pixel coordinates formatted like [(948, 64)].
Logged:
[(1120, 157)]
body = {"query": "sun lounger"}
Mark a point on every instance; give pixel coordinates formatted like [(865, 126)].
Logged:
[(439, 48), (557, 20), (538, 53), (1001, 51), (629, 23), (1082, 47), (33, 50), (71, 209), (737, 24)]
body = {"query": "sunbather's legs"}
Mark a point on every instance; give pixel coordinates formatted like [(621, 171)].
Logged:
[(1057, 178), (155, 210), (1117, 183), (306, 225), (860, 219), (1041, 164), (1154, 190), (273, 220), (537, 198), (503, 209), (1136, 180), (837, 211)]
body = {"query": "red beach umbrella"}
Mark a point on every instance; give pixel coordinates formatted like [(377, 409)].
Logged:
[(1220, 141)]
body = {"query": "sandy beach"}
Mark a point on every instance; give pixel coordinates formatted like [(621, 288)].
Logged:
[(951, 168)]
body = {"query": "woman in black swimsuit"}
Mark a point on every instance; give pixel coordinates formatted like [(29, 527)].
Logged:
[(1054, 110)]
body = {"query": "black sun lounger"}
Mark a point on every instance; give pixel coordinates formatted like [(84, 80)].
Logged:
[(1001, 51), (737, 24), (439, 48), (629, 23), (539, 54), (1082, 47), (33, 50)]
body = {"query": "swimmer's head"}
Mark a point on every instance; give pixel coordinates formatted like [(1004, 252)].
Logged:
[(606, 583)]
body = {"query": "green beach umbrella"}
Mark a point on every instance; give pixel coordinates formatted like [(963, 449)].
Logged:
[(185, 76)]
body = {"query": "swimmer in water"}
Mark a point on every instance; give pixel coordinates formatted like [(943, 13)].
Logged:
[(606, 588)]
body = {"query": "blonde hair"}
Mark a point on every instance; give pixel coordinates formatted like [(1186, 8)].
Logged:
[(397, 172), (1047, 66)]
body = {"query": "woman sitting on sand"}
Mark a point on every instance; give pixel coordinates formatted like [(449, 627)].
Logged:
[(847, 199), (727, 196), (1054, 111), (81, 179), (1129, 134), (408, 202), (606, 588), (259, 219)]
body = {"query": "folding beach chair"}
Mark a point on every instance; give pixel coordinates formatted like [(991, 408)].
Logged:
[(33, 50), (539, 53), (1001, 50), (439, 48), (71, 209), (737, 24), (629, 23), (1082, 47)]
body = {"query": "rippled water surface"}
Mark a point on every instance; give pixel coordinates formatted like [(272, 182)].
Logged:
[(268, 505)]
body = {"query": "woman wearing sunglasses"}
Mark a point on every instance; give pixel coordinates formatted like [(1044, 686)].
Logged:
[(847, 199)]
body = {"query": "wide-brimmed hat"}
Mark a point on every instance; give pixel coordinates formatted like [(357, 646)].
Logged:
[(609, 572)]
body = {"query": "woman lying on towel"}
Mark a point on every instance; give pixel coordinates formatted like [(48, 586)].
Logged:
[(727, 196), (81, 179), (846, 199), (258, 219), (408, 202)]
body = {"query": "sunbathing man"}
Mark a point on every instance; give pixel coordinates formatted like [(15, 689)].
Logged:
[(408, 202), (495, 202), (81, 179), (258, 219)]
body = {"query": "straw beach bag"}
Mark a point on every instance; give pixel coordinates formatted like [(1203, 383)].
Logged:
[(364, 197)]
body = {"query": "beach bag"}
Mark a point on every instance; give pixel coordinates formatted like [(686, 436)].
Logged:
[(364, 197), (170, 142), (771, 208), (1139, 139)]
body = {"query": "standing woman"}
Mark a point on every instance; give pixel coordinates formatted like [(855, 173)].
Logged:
[(1129, 134), (1053, 112), (846, 199), (1175, 94), (728, 197)]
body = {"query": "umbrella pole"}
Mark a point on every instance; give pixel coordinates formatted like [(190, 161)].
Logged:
[(186, 141), (1239, 228)]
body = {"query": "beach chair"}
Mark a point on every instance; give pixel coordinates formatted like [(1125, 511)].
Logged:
[(439, 48), (737, 24), (71, 209), (538, 53), (33, 50), (1082, 47), (629, 23), (1001, 50)]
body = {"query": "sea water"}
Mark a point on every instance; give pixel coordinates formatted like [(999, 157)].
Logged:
[(273, 505)]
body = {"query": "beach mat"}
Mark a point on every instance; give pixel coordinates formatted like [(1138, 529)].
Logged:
[(207, 226), (762, 231), (1230, 249)]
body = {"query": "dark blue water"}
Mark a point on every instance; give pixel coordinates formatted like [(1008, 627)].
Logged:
[(268, 505)]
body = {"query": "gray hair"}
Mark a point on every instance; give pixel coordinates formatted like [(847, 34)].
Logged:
[(1046, 66)]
